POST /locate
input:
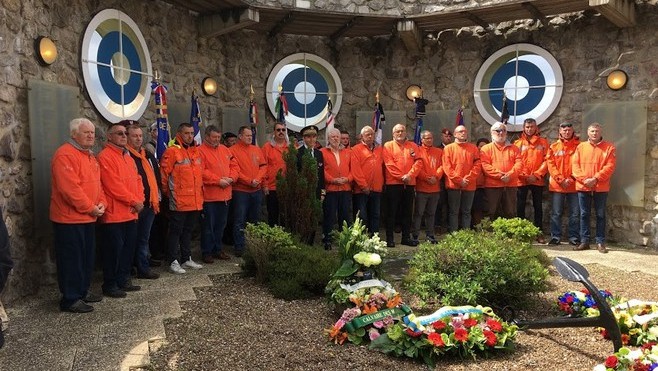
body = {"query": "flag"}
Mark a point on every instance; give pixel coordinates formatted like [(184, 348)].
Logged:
[(330, 121), (281, 106), (420, 113), (195, 119), (160, 94), (253, 115), (378, 120), (504, 112), (459, 120)]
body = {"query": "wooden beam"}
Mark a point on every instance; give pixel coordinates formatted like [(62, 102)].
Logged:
[(278, 27), (346, 27), (410, 35), (619, 12), (475, 19), (227, 21), (536, 13)]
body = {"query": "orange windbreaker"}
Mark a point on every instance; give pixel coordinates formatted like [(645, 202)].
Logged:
[(399, 160), (218, 162), (122, 184), (533, 155), (558, 162), (499, 160), (367, 168), (594, 161), (333, 170), (252, 166), (182, 179), (461, 161), (76, 185), (431, 158), (274, 159)]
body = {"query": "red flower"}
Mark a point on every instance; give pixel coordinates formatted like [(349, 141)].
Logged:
[(625, 339), (648, 346), (585, 291), (438, 325), (611, 362), (435, 339), (461, 335), (412, 333), (491, 338), (494, 325), (468, 323), (569, 299), (639, 366), (604, 333)]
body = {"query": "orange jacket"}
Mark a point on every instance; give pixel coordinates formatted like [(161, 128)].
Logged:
[(594, 161), (367, 168), (500, 160), (399, 160), (218, 162), (122, 184), (558, 162), (462, 161), (182, 179), (252, 165), (533, 156), (274, 157), (333, 170), (431, 158), (76, 185)]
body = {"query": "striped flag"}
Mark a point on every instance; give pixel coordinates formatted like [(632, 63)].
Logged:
[(281, 106), (162, 118), (330, 121), (378, 122), (504, 113), (195, 119), (420, 113), (459, 120)]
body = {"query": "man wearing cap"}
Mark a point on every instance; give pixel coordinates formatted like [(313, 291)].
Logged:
[(593, 164), (273, 151), (248, 188), (310, 136), (461, 165), (501, 163), (368, 170), (229, 139), (562, 185), (531, 179), (402, 164), (76, 201), (125, 200)]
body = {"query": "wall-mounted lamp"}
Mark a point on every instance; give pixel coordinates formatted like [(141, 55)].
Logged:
[(45, 50), (413, 92), (209, 86), (617, 79)]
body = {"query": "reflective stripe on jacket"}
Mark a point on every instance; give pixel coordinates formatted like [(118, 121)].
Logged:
[(182, 180)]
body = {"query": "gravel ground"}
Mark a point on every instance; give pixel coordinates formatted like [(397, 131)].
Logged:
[(237, 325)]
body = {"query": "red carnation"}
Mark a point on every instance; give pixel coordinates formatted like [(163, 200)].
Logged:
[(491, 338), (438, 325), (494, 325), (611, 362), (625, 339), (470, 322), (461, 335), (436, 339), (412, 333)]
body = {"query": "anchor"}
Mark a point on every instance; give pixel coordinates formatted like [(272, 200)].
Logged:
[(574, 272)]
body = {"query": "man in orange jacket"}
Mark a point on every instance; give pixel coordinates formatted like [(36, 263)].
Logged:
[(501, 163), (76, 201), (125, 200), (182, 183), (273, 151), (461, 165), (338, 180), (220, 170), (248, 189), (563, 185), (593, 164), (531, 179), (368, 171), (427, 186)]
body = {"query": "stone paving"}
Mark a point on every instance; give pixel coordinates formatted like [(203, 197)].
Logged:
[(120, 333)]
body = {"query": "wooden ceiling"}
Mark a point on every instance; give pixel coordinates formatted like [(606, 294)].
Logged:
[(299, 21)]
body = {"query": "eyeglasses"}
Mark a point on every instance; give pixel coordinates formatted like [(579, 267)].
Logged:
[(120, 133), (280, 129), (500, 131), (566, 125)]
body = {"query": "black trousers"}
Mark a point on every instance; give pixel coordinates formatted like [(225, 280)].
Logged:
[(398, 197), (181, 224)]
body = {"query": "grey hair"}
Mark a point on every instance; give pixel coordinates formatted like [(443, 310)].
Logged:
[(366, 129), (74, 125), (333, 130)]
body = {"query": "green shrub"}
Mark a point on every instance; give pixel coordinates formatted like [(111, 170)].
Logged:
[(471, 268), (516, 229), (262, 242), (300, 272)]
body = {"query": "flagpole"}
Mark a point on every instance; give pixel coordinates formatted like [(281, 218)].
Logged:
[(162, 119), (253, 115)]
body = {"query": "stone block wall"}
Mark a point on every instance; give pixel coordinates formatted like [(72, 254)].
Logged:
[(586, 46)]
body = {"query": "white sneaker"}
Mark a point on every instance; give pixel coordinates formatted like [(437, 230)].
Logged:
[(191, 264), (176, 268)]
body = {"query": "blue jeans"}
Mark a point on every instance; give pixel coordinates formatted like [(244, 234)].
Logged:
[(369, 207), (247, 209), (585, 202), (119, 240), (75, 248), (213, 222), (336, 204), (574, 216), (144, 223)]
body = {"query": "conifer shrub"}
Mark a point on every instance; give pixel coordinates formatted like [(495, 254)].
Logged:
[(477, 268)]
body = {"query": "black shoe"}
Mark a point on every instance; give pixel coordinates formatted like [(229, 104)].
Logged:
[(409, 242), (116, 293), (432, 240), (130, 287), (154, 262), (2, 338), (574, 242), (92, 298), (79, 307), (390, 243), (148, 276), (554, 241)]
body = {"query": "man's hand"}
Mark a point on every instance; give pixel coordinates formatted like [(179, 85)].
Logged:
[(97, 211), (136, 209), (505, 178), (431, 180), (531, 178), (566, 183), (255, 183), (406, 178), (464, 183), (590, 182), (224, 182)]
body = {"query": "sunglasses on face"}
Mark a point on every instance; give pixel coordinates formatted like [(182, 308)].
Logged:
[(500, 131), (566, 125), (280, 129), (120, 133)]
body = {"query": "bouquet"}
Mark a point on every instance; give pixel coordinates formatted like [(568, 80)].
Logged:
[(643, 359), (581, 303), (638, 322)]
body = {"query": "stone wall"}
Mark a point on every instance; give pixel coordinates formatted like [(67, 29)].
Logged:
[(585, 45)]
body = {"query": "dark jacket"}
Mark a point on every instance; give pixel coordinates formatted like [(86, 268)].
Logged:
[(317, 155)]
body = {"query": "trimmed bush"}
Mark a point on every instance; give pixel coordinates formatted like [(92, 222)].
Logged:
[(471, 268), (515, 229), (261, 241)]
